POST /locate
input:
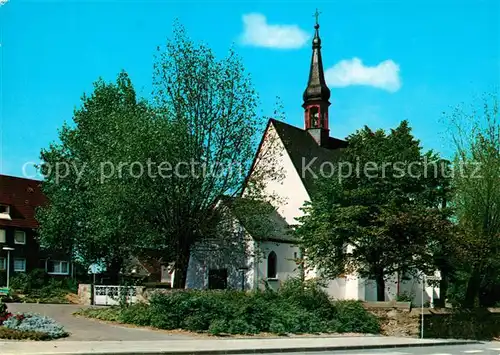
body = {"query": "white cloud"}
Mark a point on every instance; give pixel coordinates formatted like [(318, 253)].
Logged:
[(384, 75), (258, 33), (3, 2)]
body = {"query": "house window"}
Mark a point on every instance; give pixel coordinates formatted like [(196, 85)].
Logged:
[(20, 237), (5, 212), (272, 262), (20, 265), (3, 264), (3, 239), (56, 267)]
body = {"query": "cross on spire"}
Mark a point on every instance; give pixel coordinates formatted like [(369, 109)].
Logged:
[(316, 15), (317, 94)]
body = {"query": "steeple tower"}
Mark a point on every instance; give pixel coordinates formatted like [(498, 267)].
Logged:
[(317, 94)]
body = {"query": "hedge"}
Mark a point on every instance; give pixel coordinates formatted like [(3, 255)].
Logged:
[(293, 309), (477, 324)]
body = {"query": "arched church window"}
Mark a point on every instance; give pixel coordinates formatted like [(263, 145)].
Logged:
[(272, 265), (314, 114)]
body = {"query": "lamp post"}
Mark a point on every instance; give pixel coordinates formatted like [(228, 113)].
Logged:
[(422, 305), (8, 249)]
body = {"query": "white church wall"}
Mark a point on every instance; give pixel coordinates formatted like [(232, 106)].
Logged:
[(289, 193), (256, 262), (411, 287), (197, 275), (354, 288), (337, 288), (231, 254), (391, 289), (286, 266)]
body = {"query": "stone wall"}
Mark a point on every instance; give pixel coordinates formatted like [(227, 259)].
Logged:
[(85, 294), (396, 318), (399, 319)]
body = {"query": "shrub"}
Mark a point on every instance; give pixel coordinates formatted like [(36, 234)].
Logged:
[(3, 308), (240, 326), (277, 327), (138, 314), (476, 323), (4, 313), (405, 297), (37, 278), (111, 314), (196, 323), (218, 327), (256, 311), (308, 295), (353, 317), (296, 308), (38, 287), (20, 282), (30, 322), (14, 334), (170, 310)]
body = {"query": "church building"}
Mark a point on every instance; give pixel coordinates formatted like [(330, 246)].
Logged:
[(298, 153)]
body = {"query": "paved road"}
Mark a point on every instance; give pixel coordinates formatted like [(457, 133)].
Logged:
[(90, 330), (491, 348)]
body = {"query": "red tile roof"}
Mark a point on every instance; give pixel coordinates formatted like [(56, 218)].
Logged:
[(23, 196)]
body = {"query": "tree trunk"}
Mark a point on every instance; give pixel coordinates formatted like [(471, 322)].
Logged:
[(181, 268), (472, 288), (443, 290), (379, 278), (113, 270)]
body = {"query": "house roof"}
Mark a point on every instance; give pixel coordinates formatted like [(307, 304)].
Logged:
[(260, 219), (23, 196), (305, 152)]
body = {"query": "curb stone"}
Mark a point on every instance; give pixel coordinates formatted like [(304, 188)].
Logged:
[(272, 350)]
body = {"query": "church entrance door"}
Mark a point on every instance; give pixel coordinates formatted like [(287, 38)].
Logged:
[(217, 279)]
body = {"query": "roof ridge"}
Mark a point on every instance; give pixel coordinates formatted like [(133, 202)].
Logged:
[(288, 124), (18, 178)]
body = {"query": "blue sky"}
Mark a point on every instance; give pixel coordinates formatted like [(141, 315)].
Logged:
[(385, 60)]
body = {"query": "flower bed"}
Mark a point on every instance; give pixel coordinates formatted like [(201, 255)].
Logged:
[(28, 326)]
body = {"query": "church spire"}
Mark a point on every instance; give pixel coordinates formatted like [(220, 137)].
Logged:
[(317, 94)]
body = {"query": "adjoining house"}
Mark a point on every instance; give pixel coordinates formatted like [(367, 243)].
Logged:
[(19, 199), (300, 155)]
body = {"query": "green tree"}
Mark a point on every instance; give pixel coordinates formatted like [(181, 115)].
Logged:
[(92, 218), (154, 174), (211, 105), (476, 134), (378, 213)]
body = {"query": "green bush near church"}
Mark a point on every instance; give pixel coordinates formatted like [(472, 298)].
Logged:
[(295, 308)]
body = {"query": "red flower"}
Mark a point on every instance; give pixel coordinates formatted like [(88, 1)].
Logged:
[(4, 317)]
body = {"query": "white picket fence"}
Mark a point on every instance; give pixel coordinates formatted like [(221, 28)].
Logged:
[(107, 295)]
